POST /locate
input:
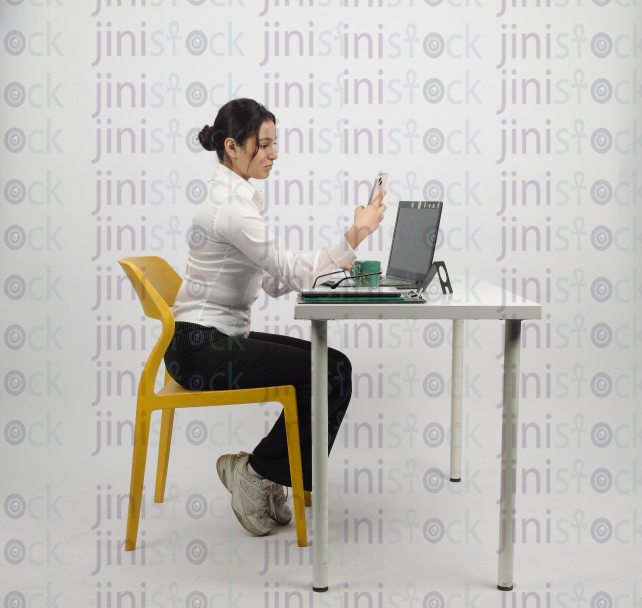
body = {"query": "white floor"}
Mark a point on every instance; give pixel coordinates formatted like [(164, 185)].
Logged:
[(72, 523)]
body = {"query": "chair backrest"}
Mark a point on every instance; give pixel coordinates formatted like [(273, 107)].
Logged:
[(156, 284)]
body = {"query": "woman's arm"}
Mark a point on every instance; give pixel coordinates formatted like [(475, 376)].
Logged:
[(352, 237), (240, 223), (273, 287)]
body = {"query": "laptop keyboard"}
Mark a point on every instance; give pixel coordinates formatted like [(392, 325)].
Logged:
[(387, 281)]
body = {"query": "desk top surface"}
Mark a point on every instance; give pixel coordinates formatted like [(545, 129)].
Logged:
[(472, 298)]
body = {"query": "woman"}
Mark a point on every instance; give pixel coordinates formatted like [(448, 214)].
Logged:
[(233, 255)]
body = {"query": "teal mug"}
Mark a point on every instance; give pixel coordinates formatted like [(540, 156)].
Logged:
[(366, 267)]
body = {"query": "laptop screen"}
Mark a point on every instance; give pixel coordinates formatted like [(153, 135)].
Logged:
[(414, 239)]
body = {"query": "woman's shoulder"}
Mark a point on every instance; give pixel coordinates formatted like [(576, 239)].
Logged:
[(213, 192)]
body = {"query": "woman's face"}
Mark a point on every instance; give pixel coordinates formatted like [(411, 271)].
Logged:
[(261, 165)]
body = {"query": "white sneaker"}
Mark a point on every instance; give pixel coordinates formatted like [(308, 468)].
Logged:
[(252, 496)]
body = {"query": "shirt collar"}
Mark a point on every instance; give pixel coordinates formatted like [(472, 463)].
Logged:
[(236, 182)]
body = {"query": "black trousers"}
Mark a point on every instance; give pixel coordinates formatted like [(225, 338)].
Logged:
[(203, 358)]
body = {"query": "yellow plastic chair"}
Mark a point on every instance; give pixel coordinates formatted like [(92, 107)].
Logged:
[(156, 285)]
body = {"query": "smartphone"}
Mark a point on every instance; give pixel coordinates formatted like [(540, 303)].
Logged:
[(378, 185)]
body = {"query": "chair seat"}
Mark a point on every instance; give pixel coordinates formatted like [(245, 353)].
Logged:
[(174, 388), (174, 395)]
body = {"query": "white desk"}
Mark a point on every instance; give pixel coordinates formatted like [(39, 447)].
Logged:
[(472, 298)]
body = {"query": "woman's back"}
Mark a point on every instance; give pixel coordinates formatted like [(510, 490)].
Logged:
[(220, 283)]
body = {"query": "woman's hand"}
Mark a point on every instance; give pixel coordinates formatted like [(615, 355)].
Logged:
[(349, 265), (366, 220)]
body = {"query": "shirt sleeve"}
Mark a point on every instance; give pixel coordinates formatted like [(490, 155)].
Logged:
[(240, 223)]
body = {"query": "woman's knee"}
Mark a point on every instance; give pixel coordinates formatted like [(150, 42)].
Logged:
[(339, 358)]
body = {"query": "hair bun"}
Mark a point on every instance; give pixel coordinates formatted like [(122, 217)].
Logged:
[(206, 138)]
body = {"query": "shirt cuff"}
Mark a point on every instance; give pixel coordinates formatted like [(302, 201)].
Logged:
[(340, 251)]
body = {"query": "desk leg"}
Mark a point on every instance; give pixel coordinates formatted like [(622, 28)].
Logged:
[(508, 491), (456, 399), (320, 454)]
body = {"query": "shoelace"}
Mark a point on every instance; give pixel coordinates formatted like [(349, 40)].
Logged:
[(268, 498), (271, 488), (281, 499)]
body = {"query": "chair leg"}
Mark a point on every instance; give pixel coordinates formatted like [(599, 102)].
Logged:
[(296, 470), (308, 498), (167, 424), (139, 458)]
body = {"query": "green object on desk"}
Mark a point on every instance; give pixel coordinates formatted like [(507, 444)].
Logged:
[(353, 299)]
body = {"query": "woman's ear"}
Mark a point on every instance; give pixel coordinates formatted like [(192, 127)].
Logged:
[(230, 147)]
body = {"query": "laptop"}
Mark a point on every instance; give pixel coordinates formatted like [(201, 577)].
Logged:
[(413, 246)]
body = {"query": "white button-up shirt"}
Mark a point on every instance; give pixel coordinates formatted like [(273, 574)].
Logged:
[(233, 254)]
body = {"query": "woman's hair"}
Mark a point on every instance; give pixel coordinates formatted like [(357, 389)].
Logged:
[(239, 119)]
